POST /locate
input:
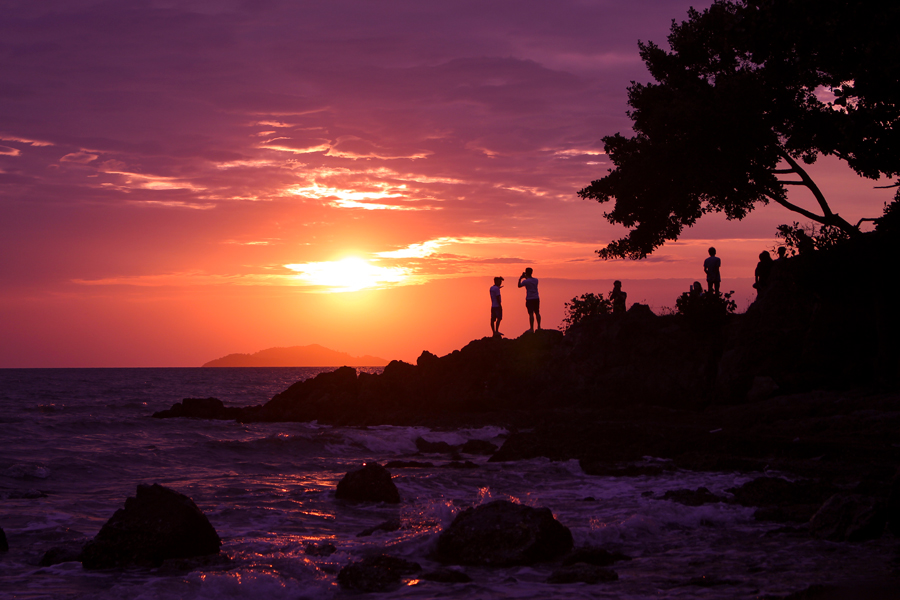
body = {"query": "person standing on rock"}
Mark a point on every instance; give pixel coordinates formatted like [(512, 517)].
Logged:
[(763, 270), (617, 296), (496, 307), (532, 299), (711, 266)]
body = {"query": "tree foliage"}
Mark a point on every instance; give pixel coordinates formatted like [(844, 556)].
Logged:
[(748, 91)]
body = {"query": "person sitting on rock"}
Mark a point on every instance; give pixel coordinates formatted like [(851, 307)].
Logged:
[(496, 307), (532, 298), (696, 289), (617, 296)]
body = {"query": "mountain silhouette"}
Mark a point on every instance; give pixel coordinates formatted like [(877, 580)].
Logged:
[(313, 355)]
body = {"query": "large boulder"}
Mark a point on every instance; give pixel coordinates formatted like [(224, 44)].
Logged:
[(501, 534), (156, 524), (371, 483), (376, 573)]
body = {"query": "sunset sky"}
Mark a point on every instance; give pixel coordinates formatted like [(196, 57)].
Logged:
[(184, 179)]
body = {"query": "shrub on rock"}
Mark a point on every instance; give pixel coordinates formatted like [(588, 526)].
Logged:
[(155, 525), (372, 483), (501, 534)]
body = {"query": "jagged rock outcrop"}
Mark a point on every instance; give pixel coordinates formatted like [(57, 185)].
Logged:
[(157, 524), (503, 534)]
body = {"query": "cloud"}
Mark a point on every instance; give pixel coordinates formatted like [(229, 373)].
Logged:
[(81, 157)]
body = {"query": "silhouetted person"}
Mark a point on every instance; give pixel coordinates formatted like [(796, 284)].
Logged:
[(711, 266), (805, 244), (763, 270), (496, 307), (532, 299), (782, 254), (618, 298), (696, 289)]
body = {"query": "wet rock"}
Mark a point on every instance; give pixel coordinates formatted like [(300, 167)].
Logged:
[(447, 576), (604, 469), (156, 524), (503, 534), (30, 494), (4, 545), (773, 491), (198, 408), (696, 497), (582, 573), (427, 447), (762, 387), (371, 483), (849, 517), (591, 555), (320, 549), (408, 464), (185, 565), (459, 465), (796, 513), (893, 506), (479, 447), (376, 573), (61, 554), (390, 525)]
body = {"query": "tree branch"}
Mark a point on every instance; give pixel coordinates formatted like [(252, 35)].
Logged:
[(828, 218)]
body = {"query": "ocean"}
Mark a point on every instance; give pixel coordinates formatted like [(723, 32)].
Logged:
[(75, 443)]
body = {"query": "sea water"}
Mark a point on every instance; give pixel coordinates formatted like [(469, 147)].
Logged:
[(75, 443)]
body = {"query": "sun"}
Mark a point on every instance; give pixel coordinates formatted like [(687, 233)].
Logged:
[(348, 275)]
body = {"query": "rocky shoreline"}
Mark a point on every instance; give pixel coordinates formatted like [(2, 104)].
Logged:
[(804, 383)]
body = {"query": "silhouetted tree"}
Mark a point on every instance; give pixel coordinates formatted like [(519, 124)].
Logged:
[(749, 91)]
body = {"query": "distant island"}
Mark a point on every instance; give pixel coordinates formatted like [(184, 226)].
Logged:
[(313, 355)]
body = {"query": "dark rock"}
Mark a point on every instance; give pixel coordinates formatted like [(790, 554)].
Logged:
[(176, 566), (849, 517), (594, 556), (426, 359), (4, 545), (480, 447), (25, 494), (408, 464), (893, 506), (427, 447), (376, 573), (320, 549), (155, 525), (459, 465), (707, 581), (391, 525), (447, 576), (603, 469), (198, 408), (582, 573), (795, 513), (696, 497), (773, 491), (503, 534), (371, 483), (61, 554)]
